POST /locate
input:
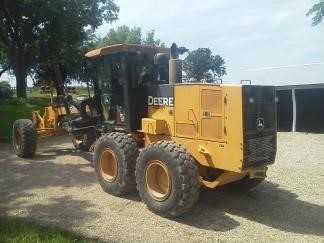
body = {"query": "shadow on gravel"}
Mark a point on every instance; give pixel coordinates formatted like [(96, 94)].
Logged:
[(52, 153), (18, 176), (41, 174), (268, 205), (52, 212)]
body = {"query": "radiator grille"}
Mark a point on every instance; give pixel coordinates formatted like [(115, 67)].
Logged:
[(259, 151), (259, 121)]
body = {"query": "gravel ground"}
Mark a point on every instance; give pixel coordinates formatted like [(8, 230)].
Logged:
[(58, 187)]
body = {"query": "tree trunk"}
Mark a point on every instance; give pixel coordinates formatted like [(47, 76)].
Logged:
[(20, 72), (21, 84)]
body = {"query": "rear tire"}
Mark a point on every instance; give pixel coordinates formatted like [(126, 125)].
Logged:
[(24, 138), (167, 178), (114, 161)]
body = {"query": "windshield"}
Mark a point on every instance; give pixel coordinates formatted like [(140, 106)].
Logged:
[(108, 73)]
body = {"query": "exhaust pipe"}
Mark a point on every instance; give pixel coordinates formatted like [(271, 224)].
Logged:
[(175, 64), (175, 71)]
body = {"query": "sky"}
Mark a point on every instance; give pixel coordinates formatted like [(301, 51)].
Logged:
[(268, 42)]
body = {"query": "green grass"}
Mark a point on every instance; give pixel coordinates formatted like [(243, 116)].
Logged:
[(11, 112), (14, 230)]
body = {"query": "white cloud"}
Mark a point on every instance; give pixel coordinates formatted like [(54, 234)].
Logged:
[(247, 34)]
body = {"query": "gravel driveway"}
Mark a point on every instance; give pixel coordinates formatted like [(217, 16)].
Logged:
[(58, 187)]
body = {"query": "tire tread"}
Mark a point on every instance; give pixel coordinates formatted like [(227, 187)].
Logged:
[(28, 137), (187, 173), (129, 150)]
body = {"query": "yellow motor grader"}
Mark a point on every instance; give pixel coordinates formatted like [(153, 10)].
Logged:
[(63, 114), (167, 138)]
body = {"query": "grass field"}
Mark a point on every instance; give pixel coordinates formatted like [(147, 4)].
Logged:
[(14, 230), (15, 110)]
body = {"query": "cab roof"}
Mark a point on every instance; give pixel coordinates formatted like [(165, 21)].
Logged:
[(120, 48)]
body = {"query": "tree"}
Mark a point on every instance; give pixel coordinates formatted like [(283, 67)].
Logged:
[(149, 39), (318, 10), (201, 65), (69, 58), (32, 29), (125, 35), (4, 66), (122, 35)]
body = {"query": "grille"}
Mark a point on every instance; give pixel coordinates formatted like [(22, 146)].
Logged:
[(260, 151), (259, 121)]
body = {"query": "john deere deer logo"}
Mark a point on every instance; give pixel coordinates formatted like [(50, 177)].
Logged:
[(260, 124)]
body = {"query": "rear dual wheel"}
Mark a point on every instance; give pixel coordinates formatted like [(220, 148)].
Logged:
[(167, 178), (166, 175), (114, 161)]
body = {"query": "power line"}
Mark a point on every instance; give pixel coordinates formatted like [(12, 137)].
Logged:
[(284, 66)]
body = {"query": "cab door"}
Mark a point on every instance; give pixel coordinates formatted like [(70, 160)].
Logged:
[(110, 85), (140, 77)]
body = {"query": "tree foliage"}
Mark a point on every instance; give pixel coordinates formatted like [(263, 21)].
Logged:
[(201, 65), (126, 35), (318, 11), (122, 35), (149, 39), (69, 58), (36, 33)]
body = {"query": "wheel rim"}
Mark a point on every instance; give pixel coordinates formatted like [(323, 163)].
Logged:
[(17, 140), (108, 165), (158, 181)]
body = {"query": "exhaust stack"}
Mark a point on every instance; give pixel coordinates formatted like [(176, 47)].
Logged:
[(175, 64), (175, 71)]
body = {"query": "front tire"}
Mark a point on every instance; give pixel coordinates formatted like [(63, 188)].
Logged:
[(114, 161), (24, 138), (167, 178)]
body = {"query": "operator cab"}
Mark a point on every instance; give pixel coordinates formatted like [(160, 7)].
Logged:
[(121, 75)]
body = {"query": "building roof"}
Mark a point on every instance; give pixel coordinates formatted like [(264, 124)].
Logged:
[(300, 86)]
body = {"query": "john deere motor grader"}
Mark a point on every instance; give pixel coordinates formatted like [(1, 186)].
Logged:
[(63, 114), (168, 138)]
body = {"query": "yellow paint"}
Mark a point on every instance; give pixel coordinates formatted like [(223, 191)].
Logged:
[(209, 124), (119, 48), (229, 176), (47, 124), (224, 178), (186, 111), (165, 113), (207, 121), (153, 126)]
